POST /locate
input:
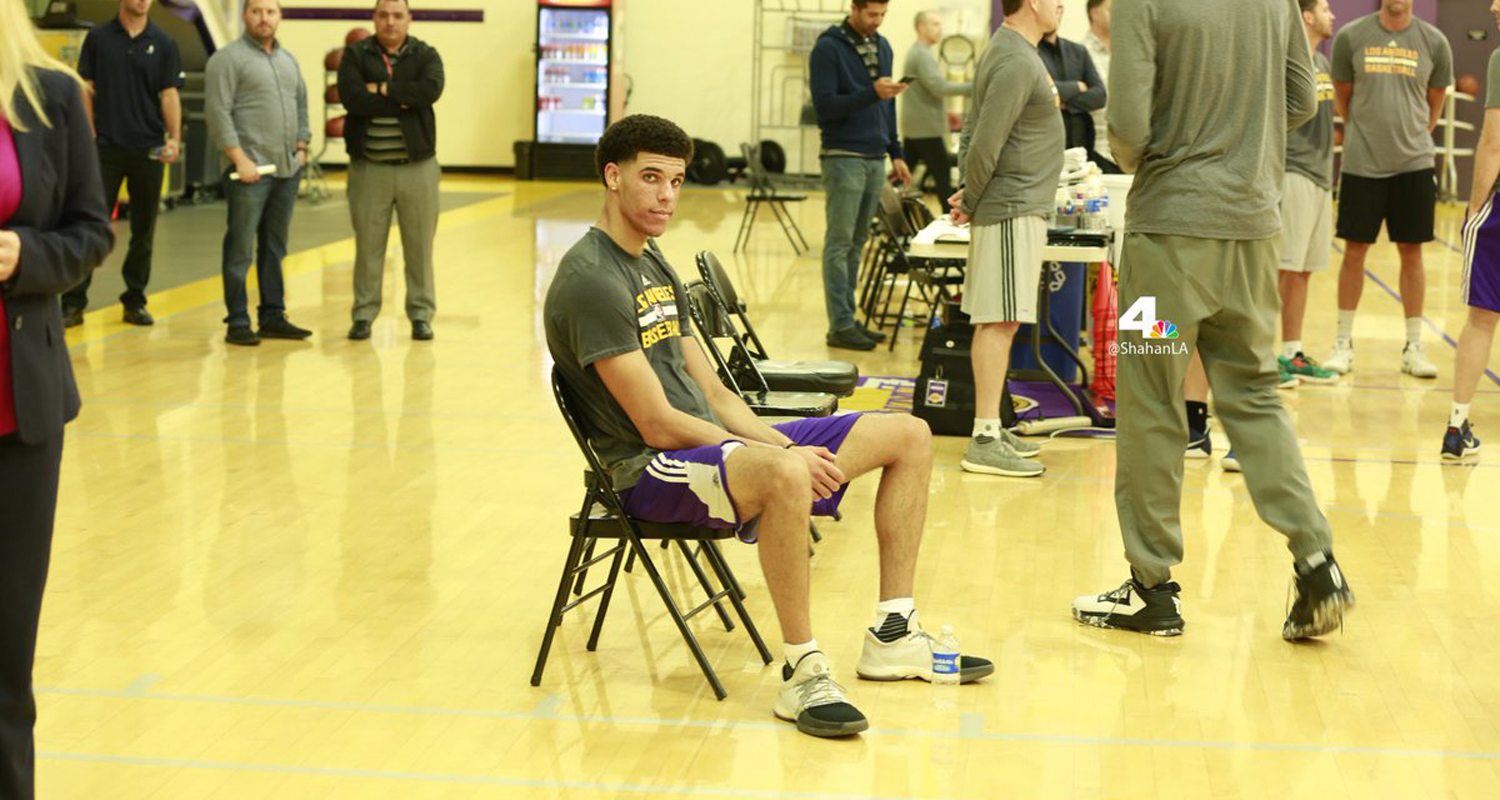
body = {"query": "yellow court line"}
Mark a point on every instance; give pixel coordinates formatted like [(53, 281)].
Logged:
[(103, 322)]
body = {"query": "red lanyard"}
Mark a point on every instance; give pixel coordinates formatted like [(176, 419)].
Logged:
[(390, 72)]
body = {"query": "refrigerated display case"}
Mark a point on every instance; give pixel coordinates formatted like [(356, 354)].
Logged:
[(573, 85)]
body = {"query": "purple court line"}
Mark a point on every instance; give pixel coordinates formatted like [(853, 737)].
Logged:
[(1433, 325)]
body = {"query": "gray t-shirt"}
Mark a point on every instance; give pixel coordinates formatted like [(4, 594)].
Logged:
[(923, 115), (1201, 116), (1309, 149), (1011, 152), (604, 302), (1386, 133)]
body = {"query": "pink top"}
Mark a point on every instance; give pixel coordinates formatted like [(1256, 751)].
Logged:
[(10, 200)]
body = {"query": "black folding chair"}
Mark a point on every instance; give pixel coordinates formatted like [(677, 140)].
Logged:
[(764, 192), (748, 355), (603, 517), (712, 324)]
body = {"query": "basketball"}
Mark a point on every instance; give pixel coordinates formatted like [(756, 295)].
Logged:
[(332, 60), (356, 34), (1468, 84)]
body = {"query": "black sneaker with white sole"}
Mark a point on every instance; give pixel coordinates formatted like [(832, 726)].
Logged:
[(1133, 607), (1321, 599)]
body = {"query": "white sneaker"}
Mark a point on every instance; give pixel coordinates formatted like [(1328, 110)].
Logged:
[(911, 657), (1341, 360), (811, 698), (1414, 362)]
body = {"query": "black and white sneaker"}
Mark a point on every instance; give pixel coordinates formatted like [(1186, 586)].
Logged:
[(810, 697), (1199, 445), (1133, 607), (1321, 598)]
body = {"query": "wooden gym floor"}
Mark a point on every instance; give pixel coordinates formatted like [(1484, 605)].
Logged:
[(322, 570)]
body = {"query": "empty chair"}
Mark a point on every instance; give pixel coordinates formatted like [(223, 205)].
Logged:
[(763, 192), (749, 353)]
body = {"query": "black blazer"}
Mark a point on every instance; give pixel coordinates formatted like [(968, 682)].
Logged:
[(65, 233)]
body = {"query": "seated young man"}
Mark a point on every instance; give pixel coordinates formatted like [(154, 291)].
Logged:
[(683, 448)]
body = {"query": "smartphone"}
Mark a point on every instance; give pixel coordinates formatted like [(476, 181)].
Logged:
[(908, 79)]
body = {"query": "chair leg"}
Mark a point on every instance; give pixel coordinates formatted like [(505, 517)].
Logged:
[(677, 618), (747, 222), (901, 314), (726, 577), (554, 617), (609, 590), (630, 562), (788, 226), (588, 555), (708, 588)]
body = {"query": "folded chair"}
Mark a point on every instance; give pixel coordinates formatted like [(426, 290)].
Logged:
[(712, 324), (748, 353), (603, 517), (763, 192)]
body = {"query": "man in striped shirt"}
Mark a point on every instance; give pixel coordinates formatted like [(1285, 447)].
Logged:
[(389, 83)]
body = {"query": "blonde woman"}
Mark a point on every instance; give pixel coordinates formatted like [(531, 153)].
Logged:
[(53, 231)]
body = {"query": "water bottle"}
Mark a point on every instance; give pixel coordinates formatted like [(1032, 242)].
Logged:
[(945, 658)]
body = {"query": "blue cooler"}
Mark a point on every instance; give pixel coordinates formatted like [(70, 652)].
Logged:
[(1066, 281)]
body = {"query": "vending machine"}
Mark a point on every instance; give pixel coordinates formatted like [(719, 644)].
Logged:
[(574, 85)]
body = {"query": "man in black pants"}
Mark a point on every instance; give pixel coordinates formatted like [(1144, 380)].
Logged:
[(1079, 87), (924, 119), (135, 72)]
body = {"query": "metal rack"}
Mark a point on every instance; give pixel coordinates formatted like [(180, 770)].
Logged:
[(785, 31)]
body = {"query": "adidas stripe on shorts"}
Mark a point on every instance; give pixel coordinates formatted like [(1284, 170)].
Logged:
[(1480, 283), (1005, 270)]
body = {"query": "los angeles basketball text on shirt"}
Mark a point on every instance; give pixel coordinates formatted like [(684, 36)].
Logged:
[(656, 307), (1390, 60)]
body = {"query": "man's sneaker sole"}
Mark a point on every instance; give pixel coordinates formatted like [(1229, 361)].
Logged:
[(966, 675), (985, 469), (1467, 452), (1426, 376), (1315, 380), (1328, 616), (1103, 621), (828, 730)]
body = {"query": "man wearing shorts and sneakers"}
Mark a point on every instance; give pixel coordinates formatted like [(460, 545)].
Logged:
[(1481, 275), (1012, 155), (680, 447), (1202, 119), (1391, 72), (1307, 204)]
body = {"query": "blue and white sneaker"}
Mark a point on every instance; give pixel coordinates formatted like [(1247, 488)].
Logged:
[(1231, 464), (1460, 442), (1199, 445)]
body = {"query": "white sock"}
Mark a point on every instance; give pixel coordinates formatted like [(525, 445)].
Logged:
[(987, 427), (795, 652), (1291, 348), (896, 605), (1346, 326), (1414, 330), (1459, 415)]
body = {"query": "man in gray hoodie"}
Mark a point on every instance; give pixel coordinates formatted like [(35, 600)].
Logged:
[(1202, 95)]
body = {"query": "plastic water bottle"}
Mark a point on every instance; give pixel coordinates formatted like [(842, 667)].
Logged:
[(945, 659)]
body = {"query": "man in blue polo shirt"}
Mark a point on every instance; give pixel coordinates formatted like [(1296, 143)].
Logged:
[(135, 72)]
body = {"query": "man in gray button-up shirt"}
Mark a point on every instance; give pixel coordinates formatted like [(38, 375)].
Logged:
[(257, 115)]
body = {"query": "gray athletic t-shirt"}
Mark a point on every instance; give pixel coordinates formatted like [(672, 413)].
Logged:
[(1011, 151), (1309, 149), (605, 302), (1386, 133)]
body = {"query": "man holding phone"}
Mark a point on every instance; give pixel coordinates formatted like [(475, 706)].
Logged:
[(924, 117), (849, 73), (135, 73)]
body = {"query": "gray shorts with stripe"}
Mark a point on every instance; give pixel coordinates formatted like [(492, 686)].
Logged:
[(1005, 270)]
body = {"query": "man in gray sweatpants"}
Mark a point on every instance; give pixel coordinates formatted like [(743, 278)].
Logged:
[(389, 82), (1201, 117)]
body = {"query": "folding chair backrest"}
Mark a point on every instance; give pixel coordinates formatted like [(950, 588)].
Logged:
[(709, 315), (891, 216), (572, 413), (918, 215), (718, 281), (754, 170)]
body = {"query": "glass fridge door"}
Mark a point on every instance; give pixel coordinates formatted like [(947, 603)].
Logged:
[(572, 74)]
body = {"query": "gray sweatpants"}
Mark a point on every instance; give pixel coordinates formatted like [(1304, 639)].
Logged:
[(411, 191), (1222, 297)]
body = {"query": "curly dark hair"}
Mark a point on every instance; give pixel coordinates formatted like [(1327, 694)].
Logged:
[(641, 133)]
